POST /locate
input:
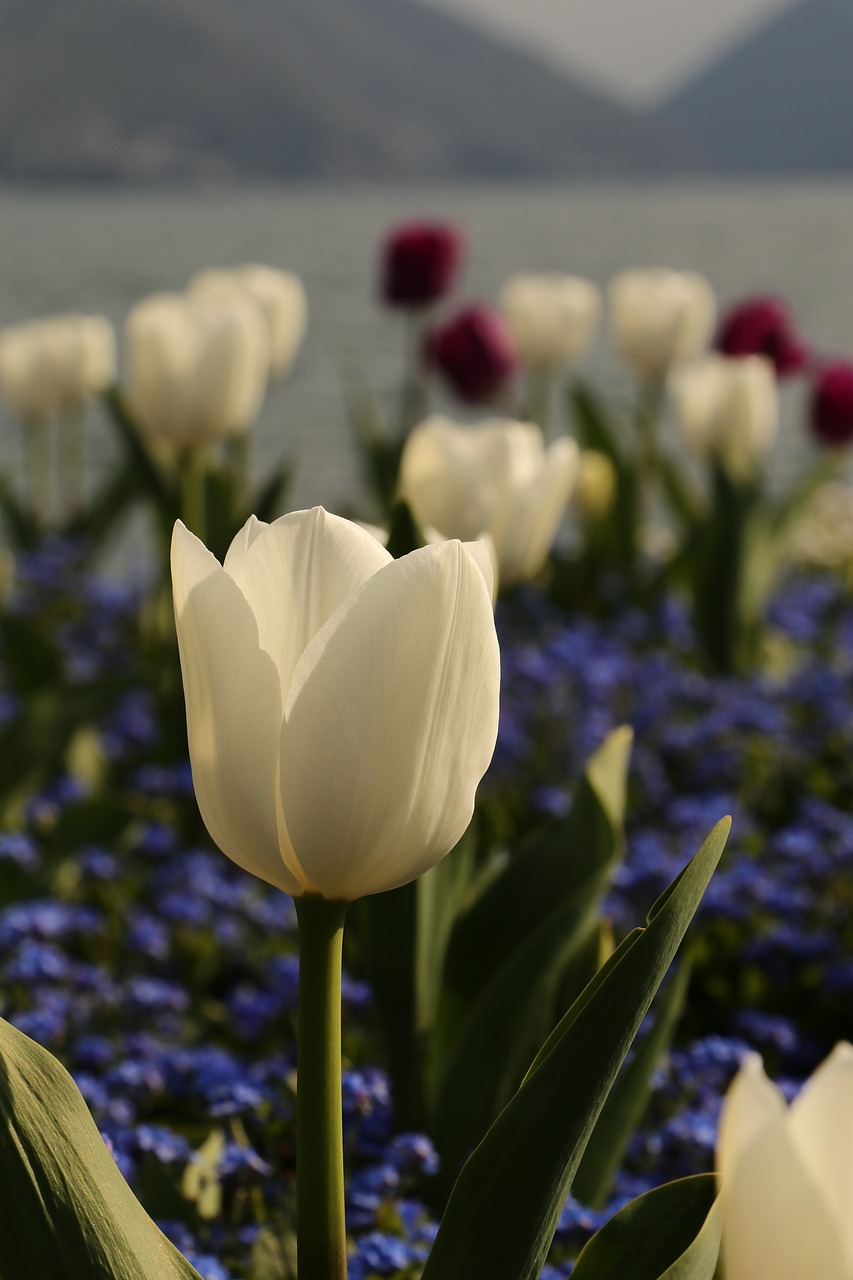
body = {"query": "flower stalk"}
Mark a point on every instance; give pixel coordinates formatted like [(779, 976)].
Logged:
[(320, 1221)]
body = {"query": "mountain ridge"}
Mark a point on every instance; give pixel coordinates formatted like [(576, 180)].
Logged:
[(779, 102), (146, 90)]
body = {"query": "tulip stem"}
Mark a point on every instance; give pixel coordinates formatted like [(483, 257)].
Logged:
[(413, 401), (38, 444), (239, 453), (72, 459), (193, 474), (320, 1221)]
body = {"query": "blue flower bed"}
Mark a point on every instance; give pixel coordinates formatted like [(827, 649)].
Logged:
[(166, 979)]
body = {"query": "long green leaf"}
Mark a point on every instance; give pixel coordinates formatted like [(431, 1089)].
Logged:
[(68, 1213), (671, 1233), (555, 863), (502, 1214), (628, 1099)]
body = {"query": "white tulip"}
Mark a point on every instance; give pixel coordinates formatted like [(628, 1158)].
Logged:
[(553, 318), (280, 296), (496, 478), (196, 366), (786, 1175), (57, 363), (342, 706), (432, 538), (729, 409), (660, 318)]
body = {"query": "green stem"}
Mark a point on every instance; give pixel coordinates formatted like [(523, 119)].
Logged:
[(39, 466), (72, 460), (413, 392), (239, 452), (193, 473), (540, 387), (320, 1223)]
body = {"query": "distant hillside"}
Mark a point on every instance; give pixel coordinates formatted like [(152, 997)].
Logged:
[(782, 102), (135, 90)]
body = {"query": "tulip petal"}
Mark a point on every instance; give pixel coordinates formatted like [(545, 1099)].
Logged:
[(390, 723), (295, 573), (234, 710), (821, 1124), (530, 526), (441, 478), (776, 1225)]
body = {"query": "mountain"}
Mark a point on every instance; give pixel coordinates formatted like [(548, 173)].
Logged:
[(782, 101), (135, 90)]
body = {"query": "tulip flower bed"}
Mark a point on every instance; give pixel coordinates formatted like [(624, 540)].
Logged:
[(165, 978)]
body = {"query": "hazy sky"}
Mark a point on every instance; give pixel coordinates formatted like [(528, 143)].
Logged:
[(637, 48)]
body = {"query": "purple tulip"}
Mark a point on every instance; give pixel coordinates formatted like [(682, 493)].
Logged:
[(420, 262), (474, 352), (832, 404), (763, 326)]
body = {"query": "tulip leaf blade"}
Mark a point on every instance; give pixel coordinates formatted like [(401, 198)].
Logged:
[(68, 1213), (518, 942), (628, 1098), (503, 1211), (671, 1233), (555, 862)]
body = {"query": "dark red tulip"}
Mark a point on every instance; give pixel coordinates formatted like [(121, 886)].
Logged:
[(832, 404), (474, 352), (420, 262), (763, 326)]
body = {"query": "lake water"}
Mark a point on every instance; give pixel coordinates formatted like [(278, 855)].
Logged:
[(101, 251)]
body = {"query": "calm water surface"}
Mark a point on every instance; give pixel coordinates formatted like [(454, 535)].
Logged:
[(100, 251)]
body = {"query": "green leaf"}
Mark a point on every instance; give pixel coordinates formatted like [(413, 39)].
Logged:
[(502, 1214), (22, 524), (628, 1099), (441, 893), (671, 1233), (556, 862), (510, 954), (68, 1213)]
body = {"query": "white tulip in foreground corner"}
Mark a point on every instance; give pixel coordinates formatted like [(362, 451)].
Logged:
[(729, 409), (196, 366), (786, 1175), (496, 478), (280, 295), (342, 706), (553, 318), (660, 318)]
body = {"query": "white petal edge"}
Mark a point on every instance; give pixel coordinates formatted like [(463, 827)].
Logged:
[(234, 712), (390, 724)]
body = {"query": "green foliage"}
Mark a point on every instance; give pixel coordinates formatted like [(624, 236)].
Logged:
[(671, 1233), (502, 1214), (68, 1213)]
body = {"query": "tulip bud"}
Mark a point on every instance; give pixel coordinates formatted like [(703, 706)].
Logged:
[(341, 706), (595, 492), (496, 478), (280, 296), (660, 318), (196, 366), (763, 326), (832, 404), (474, 352), (784, 1174), (729, 409), (420, 262), (57, 363), (552, 319)]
